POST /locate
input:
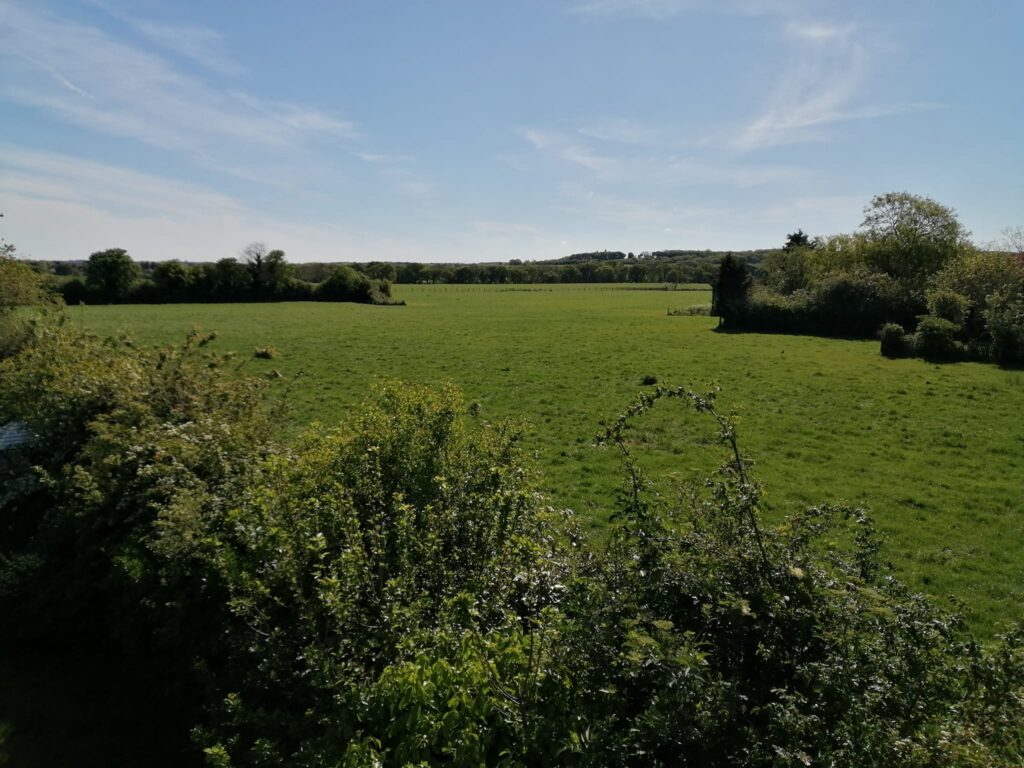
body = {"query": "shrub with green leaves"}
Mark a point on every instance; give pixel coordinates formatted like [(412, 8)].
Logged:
[(20, 287), (949, 305), (895, 342), (936, 339), (358, 549), (979, 275), (125, 441), (346, 284), (1005, 320), (695, 636)]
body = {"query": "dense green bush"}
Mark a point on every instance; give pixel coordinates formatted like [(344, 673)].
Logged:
[(979, 275), (731, 289), (949, 305), (354, 553), (936, 339), (20, 287), (112, 277), (858, 304), (346, 284), (842, 304), (1005, 319), (125, 440), (910, 256), (895, 342)]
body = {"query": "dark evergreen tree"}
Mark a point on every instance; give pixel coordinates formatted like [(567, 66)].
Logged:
[(731, 289), (798, 239)]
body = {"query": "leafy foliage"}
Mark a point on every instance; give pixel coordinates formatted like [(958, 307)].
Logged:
[(357, 550), (911, 260), (1005, 319), (20, 287), (346, 284), (936, 339), (125, 441), (894, 341), (111, 274), (950, 306), (396, 592), (912, 237)]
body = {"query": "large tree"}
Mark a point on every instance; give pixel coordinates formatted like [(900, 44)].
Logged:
[(911, 237), (111, 273), (268, 270)]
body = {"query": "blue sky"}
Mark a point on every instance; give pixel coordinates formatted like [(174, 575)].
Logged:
[(480, 131)]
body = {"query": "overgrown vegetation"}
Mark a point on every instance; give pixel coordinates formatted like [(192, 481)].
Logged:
[(911, 265), (397, 591)]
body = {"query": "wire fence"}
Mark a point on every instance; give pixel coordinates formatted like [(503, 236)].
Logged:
[(545, 287)]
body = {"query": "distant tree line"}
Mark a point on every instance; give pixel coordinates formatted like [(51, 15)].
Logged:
[(595, 267), (910, 275), (112, 276), (268, 277)]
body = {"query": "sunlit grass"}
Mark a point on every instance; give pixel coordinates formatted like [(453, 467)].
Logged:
[(936, 453)]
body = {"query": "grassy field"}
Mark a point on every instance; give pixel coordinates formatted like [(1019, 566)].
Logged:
[(936, 453)]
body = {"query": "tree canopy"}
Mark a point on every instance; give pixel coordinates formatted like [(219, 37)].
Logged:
[(911, 237), (111, 273)]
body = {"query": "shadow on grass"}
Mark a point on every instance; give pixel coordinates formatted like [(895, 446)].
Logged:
[(725, 330)]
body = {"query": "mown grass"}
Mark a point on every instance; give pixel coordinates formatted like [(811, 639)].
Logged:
[(936, 453)]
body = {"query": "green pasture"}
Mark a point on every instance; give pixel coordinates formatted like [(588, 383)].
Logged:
[(936, 453)]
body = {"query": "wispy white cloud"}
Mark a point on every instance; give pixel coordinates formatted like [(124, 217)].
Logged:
[(199, 44), (156, 218), (822, 85), (818, 31), (384, 159), (567, 150), (656, 167), (88, 77), (395, 169), (100, 205), (661, 9), (619, 130), (632, 211), (56, 177)]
